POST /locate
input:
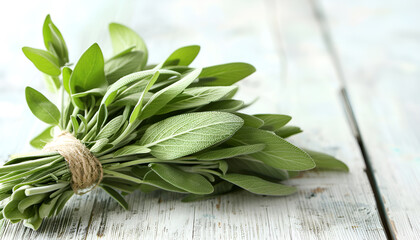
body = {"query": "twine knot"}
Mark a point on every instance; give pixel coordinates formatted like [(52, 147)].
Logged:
[(86, 170)]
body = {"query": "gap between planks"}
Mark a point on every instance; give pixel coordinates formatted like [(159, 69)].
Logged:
[(325, 32)]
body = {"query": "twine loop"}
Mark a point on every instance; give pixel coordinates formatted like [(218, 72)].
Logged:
[(86, 170)]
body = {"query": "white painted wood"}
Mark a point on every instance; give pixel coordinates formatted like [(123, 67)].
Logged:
[(327, 206), (379, 43)]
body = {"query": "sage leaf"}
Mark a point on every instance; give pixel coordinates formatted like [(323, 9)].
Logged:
[(152, 180), (185, 134), (42, 139), (195, 97), (182, 56), (43, 60), (122, 65), (190, 182), (273, 122), (123, 38), (288, 131), (139, 105), (278, 153), (327, 162), (88, 73), (223, 106), (41, 107), (131, 150), (220, 188), (162, 97), (257, 185), (54, 41), (230, 152), (250, 120), (116, 196), (250, 166), (225, 74)]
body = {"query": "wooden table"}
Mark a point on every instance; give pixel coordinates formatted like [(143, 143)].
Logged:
[(347, 71)]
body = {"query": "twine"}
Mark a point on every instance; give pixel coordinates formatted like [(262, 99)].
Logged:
[(86, 170)]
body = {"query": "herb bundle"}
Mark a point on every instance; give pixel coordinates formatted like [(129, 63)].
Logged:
[(125, 125)]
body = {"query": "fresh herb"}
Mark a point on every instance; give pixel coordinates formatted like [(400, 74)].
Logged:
[(167, 126)]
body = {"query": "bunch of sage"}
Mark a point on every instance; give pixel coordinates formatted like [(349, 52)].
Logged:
[(167, 126)]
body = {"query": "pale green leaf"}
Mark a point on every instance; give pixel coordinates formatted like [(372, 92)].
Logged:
[(230, 152), (257, 185), (42, 139), (122, 65), (190, 182), (116, 196), (225, 74), (162, 97), (54, 41), (278, 153), (43, 60), (288, 131), (182, 56), (273, 122), (185, 134), (41, 107), (88, 73), (123, 38), (131, 150), (195, 97), (250, 120), (327, 162)]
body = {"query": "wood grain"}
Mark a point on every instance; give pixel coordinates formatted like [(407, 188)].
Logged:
[(295, 76), (378, 44)]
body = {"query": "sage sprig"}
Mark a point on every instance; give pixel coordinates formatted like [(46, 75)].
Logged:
[(168, 126)]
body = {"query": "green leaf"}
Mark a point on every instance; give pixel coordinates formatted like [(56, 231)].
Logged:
[(11, 211), (273, 122), (123, 37), (225, 74), (41, 107), (47, 207), (219, 189), (116, 196), (111, 128), (190, 182), (152, 180), (34, 222), (131, 150), (52, 83), (42, 139), (88, 73), (182, 56), (66, 78), (250, 120), (327, 162), (288, 131), (230, 152), (139, 105), (250, 166), (54, 41), (122, 65), (43, 60), (185, 134), (223, 106), (162, 97), (257, 185), (137, 77), (195, 97), (31, 200), (278, 153)]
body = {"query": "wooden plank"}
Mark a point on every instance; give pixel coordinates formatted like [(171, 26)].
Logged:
[(327, 206), (378, 44)]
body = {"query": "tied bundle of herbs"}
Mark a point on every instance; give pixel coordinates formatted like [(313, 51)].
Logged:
[(124, 125)]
